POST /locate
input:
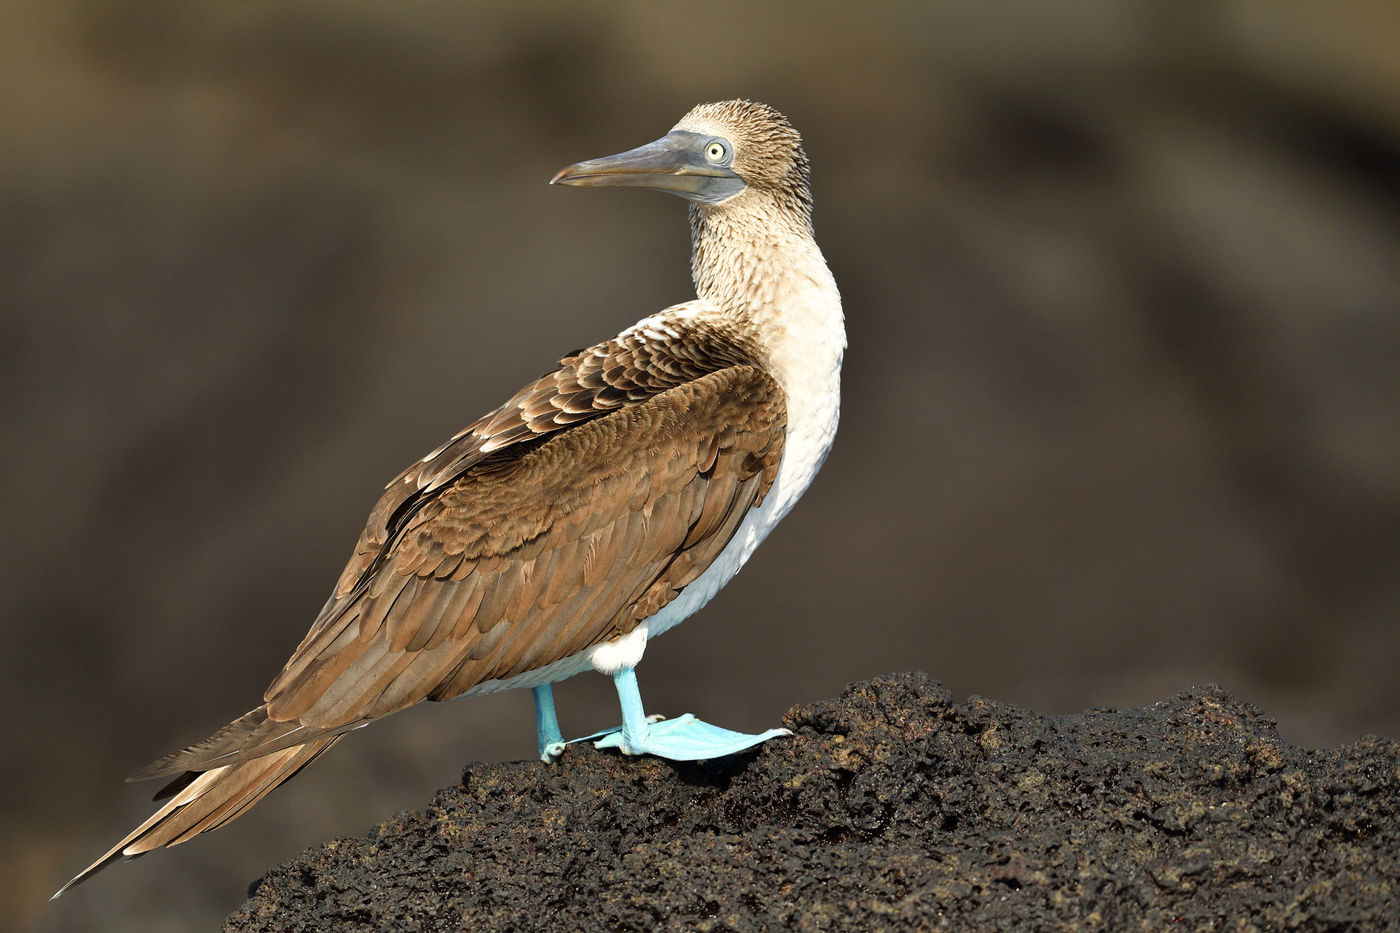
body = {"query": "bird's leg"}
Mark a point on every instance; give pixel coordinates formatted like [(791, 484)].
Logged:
[(684, 738), (551, 740), (634, 719)]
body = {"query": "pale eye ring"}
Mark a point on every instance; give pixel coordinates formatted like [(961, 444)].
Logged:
[(716, 152)]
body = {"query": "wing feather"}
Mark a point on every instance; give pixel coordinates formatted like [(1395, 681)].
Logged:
[(465, 614), (610, 376), (435, 619), (520, 563), (602, 561)]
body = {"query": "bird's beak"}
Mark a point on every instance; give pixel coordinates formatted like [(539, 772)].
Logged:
[(675, 163)]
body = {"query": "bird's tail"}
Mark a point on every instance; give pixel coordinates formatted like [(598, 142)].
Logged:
[(204, 800)]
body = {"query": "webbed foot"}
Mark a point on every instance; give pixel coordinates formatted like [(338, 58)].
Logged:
[(684, 738)]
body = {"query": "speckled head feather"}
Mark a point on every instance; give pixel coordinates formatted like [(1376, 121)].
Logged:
[(768, 151)]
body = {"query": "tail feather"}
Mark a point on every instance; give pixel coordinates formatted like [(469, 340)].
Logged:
[(199, 802), (251, 735)]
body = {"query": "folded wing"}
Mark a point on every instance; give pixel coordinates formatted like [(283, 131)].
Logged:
[(524, 560)]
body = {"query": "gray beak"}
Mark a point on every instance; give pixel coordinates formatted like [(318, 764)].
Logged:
[(675, 163)]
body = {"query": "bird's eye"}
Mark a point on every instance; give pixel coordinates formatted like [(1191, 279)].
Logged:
[(716, 152)]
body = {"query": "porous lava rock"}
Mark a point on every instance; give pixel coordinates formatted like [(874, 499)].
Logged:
[(891, 808)]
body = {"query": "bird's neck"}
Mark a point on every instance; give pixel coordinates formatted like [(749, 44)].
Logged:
[(760, 268), (758, 264)]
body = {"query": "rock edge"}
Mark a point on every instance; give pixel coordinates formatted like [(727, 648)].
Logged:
[(892, 807)]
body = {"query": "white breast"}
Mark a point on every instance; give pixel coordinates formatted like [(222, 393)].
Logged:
[(807, 341)]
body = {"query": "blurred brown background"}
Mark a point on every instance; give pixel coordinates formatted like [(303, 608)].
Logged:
[(1123, 294)]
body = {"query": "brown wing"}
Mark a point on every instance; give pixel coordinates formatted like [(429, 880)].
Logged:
[(521, 562), (588, 384)]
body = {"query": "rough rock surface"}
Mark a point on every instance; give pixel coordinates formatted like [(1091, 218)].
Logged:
[(892, 808)]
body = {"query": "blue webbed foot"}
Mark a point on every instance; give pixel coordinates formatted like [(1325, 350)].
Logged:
[(684, 738)]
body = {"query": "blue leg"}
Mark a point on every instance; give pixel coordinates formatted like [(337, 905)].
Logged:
[(551, 740), (684, 738)]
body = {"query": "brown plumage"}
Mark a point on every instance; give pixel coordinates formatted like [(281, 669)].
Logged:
[(558, 522)]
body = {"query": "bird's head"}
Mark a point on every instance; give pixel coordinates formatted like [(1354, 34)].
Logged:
[(715, 155)]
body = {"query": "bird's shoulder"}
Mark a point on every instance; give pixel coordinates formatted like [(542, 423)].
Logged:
[(662, 352)]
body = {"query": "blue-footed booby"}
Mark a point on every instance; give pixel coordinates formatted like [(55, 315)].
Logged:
[(602, 504)]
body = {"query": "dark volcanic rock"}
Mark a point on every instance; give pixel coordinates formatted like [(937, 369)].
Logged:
[(892, 808)]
